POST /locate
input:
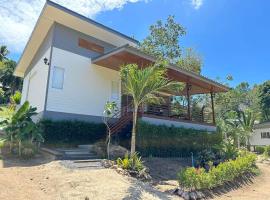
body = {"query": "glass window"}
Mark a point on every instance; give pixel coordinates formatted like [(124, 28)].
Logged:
[(58, 77)]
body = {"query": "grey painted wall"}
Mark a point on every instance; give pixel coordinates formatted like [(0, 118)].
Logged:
[(45, 45), (70, 116), (67, 39)]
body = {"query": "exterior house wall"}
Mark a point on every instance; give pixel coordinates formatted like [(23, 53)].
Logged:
[(67, 39), (156, 121), (86, 87), (256, 139), (35, 79)]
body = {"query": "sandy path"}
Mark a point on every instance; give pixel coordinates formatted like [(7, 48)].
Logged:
[(53, 181), (258, 190)]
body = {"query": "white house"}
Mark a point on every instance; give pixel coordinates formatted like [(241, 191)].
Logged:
[(70, 67), (261, 135)]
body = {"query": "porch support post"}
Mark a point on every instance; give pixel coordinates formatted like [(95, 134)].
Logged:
[(213, 108), (188, 87)]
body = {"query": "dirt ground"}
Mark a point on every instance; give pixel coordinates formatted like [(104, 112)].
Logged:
[(47, 179), (50, 180)]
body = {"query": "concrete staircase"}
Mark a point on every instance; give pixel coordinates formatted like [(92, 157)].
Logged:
[(83, 152)]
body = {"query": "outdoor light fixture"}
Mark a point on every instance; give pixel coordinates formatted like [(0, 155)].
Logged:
[(46, 61)]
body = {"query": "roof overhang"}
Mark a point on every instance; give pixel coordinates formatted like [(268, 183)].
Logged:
[(262, 125), (52, 13), (128, 54)]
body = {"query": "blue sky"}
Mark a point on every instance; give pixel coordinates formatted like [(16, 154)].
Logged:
[(231, 35)]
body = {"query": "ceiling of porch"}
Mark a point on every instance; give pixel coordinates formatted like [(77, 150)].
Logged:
[(127, 55)]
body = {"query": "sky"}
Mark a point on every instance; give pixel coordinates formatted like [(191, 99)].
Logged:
[(232, 36)]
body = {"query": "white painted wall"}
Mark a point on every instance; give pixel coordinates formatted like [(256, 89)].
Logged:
[(35, 83), (86, 88), (156, 121), (256, 137)]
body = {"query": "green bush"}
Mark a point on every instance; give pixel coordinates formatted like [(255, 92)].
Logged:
[(198, 179), (16, 98), (266, 151), (259, 149), (173, 141), (132, 162), (72, 131)]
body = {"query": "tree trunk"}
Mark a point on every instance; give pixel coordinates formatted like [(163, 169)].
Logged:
[(20, 148), (133, 137), (108, 143), (238, 141)]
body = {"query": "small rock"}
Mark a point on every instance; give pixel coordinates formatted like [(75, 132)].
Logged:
[(185, 195), (193, 195), (180, 192), (47, 177), (175, 191), (86, 198), (200, 195)]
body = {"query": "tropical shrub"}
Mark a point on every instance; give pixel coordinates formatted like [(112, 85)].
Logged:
[(21, 128), (164, 141), (259, 149), (16, 98), (266, 152), (131, 162), (28, 150), (72, 131), (198, 178)]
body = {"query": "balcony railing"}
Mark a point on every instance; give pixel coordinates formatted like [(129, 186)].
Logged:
[(202, 115)]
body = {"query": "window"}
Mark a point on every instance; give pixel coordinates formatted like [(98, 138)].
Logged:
[(115, 90), (265, 134), (58, 77)]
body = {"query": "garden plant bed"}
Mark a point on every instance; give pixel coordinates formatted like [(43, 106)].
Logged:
[(240, 182)]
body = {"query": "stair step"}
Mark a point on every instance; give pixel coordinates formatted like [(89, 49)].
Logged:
[(85, 146), (78, 157), (79, 153), (90, 160)]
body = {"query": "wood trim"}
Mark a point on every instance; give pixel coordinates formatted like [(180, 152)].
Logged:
[(177, 120), (90, 46), (213, 108)]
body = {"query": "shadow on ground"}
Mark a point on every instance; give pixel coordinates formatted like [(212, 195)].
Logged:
[(9, 160)]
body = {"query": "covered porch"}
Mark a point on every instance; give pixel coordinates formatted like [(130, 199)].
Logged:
[(178, 109)]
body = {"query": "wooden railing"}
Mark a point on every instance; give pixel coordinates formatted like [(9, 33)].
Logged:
[(197, 115), (120, 119)]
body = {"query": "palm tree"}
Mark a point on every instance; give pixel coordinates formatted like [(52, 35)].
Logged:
[(246, 121), (143, 85), (3, 52)]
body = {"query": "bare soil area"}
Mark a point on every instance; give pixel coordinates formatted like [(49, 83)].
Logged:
[(30, 180), (43, 178)]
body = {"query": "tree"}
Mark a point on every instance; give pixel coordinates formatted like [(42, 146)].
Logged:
[(264, 100), (246, 121), (109, 109), (143, 85), (8, 80), (163, 41), (21, 127), (191, 61), (3, 53)]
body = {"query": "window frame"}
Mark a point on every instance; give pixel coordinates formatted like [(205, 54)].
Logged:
[(53, 78)]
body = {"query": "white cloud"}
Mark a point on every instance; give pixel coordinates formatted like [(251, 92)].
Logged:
[(18, 17), (196, 4)]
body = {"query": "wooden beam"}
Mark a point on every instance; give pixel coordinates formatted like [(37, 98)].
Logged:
[(188, 88), (90, 46), (213, 108)]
